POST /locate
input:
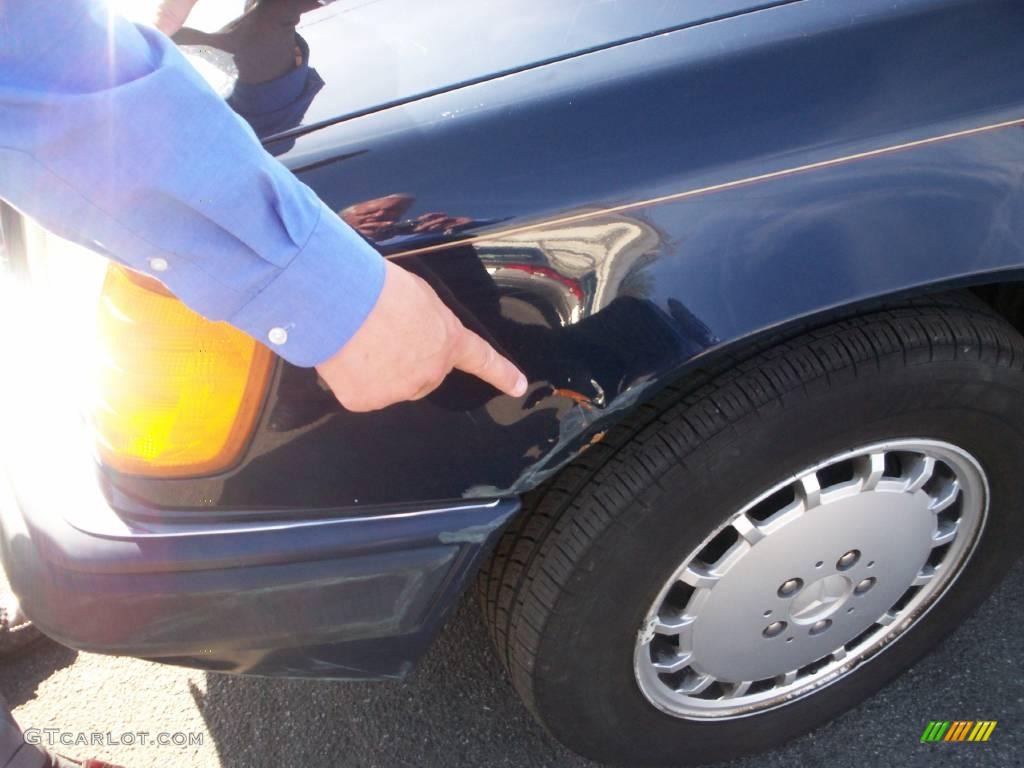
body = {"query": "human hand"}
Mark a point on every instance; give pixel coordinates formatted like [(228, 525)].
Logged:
[(376, 218), (170, 15), (406, 347), (439, 222)]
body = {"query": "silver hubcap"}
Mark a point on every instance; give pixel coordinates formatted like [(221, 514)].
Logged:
[(810, 579)]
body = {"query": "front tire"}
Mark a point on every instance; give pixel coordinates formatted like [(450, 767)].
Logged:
[(710, 491)]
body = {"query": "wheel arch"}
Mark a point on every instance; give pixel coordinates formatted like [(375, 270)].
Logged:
[(1002, 296)]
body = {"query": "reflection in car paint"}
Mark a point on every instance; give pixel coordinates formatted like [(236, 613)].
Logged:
[(608, 220), (539, 280), (260, 64), (582, 266)]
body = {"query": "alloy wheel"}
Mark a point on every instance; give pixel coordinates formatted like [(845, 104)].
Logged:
[(811, 579)]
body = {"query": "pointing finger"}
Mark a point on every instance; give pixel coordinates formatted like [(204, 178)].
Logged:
[(475, 356)]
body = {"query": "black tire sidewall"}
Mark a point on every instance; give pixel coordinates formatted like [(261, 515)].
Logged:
[(584, 665)]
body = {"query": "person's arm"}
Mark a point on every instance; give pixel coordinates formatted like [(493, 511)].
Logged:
[(109, 138), (171, 15)]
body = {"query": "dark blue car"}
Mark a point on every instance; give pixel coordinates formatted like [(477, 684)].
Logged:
[(762, 262)]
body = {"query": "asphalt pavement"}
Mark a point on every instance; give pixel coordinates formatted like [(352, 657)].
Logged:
[(459, 709)]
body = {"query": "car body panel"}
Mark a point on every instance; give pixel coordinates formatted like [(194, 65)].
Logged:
[(611, 220), (348, 598), (373, 55), (792, 161)]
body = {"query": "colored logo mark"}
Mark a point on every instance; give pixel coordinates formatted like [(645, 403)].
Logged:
[(958, 730)]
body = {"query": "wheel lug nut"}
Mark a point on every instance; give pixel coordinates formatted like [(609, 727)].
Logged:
[(864, 585), (821, 626), (774, 629), (848, 560), (790, 587)]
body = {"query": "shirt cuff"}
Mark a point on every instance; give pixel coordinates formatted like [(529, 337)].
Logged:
[(315, 304)]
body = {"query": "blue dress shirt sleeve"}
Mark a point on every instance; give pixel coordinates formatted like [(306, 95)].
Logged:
[(109, 138)]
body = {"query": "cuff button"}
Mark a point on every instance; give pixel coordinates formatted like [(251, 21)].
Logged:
[(158, 264), (278, 336)]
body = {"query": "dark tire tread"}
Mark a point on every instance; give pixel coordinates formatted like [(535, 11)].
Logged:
[(519, 586)]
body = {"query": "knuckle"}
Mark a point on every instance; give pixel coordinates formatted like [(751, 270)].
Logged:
[(358, 402), (452, 327), (355, 405), (425, 381), (437, 375), (490, 356)]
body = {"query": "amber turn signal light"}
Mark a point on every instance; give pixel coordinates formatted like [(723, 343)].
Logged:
[(177, 395)]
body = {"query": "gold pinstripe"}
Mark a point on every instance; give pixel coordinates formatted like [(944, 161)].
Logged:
[(718, 187)]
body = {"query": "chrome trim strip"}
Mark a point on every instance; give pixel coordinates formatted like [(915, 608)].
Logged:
[(245, 528)]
